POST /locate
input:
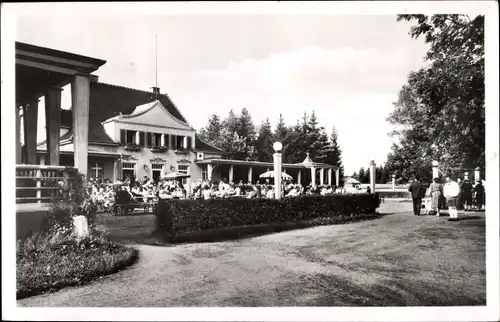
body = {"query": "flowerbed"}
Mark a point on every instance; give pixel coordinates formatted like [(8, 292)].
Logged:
[(55, 259), (187, 216)]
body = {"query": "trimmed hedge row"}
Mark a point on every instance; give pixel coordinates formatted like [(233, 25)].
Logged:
[(187, 216)]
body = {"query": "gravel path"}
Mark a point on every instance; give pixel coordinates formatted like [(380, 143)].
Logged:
[(399, 259)]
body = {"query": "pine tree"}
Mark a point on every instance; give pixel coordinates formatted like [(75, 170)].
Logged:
[(265, 142), (361, 175), (211, 133), (246, 131)]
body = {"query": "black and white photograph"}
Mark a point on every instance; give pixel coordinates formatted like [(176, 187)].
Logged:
[(249, 156)]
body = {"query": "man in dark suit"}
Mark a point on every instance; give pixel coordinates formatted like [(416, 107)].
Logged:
[(417, 192)]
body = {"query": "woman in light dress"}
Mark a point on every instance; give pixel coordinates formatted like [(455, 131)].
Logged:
[(451, 190), (435, 192)]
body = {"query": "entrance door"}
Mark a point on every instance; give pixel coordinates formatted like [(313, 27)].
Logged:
[(156, 175)]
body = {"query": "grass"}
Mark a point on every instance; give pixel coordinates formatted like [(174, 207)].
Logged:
[(49, 261)]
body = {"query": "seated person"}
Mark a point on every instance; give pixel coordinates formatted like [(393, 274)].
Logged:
[(207, 193)]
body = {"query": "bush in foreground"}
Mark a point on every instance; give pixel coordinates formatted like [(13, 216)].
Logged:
[(188, 216), (55, 259)]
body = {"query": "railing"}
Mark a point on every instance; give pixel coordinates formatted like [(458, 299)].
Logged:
[(39, 183)]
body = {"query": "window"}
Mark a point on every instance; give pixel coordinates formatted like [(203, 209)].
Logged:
[(179, 144), (167, 140), (96, 170), (173, 139), (157, 166), (149, 139), (204, 172), (131, 137), (157, 139), (128, 170), (189, 142), (183, 168)]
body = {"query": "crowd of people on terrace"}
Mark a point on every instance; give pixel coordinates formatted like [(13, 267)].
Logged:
[(106, 194)]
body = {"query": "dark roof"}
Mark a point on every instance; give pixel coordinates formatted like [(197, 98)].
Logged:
[(59, 53), (107, 101)]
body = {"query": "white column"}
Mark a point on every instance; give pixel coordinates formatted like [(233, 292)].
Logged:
[(435, 170), (80, 97), (337, 177), (30, 131), (231, 171), (250, 174), (393, 182), (209, 172), (299, 176), (330, 175), (321, 176), (115, 170), (477, 174), (53, 123), (277, 175), (313, 176), (372, 176), (18, 136)]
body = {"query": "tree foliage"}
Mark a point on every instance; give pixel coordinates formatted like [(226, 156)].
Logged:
[(440, 110), (237, 136)]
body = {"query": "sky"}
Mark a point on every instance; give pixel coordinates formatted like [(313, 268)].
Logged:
[(348, 69)]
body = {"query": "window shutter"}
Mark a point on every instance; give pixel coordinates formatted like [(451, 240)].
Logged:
[(123, 136), (167, 140), (190, 142), (153, 135), (141, 138), (148, 139), (174, 141)]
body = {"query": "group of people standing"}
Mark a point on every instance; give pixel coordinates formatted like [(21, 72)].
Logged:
[(455, 194)]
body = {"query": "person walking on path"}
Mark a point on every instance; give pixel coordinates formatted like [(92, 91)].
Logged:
[(435, 191), (417, 192), (479, 195), (451, 190), (466, 191)]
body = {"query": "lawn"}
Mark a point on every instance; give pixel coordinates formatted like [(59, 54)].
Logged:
[(396, 260)]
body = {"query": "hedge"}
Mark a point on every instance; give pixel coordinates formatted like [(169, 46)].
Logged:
[(395, 194), (187, 216)]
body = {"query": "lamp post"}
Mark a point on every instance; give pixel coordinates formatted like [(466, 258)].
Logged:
[(393, 182), (373, 169), (435, 170), (277, 146)]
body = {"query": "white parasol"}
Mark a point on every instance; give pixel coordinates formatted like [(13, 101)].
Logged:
[(270, 175), (176, 175)]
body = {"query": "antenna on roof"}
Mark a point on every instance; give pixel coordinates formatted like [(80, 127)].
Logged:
[(156, 90), (156, 82)]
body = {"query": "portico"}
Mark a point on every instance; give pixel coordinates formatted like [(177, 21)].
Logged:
[(249, 171), (42, 72)]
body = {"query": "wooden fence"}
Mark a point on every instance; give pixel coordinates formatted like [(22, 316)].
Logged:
[(39, 183)]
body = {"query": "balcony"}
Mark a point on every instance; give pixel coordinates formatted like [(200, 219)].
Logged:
[(181, 151), (132, 147), (159, 149), (38, 183)]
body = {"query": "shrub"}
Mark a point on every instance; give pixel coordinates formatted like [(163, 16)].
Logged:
[(47, 261), (186, 216)]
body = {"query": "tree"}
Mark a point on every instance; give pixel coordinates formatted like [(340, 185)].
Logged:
[(211, 133), (246, 130), (440, 111), (287, 136), (362, 175), (264, 143)]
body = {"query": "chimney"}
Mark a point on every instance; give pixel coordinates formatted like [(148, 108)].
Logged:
[(156, 91)]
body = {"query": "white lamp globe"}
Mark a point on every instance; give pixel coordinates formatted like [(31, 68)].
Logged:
[(277, 146), (435, 163)]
